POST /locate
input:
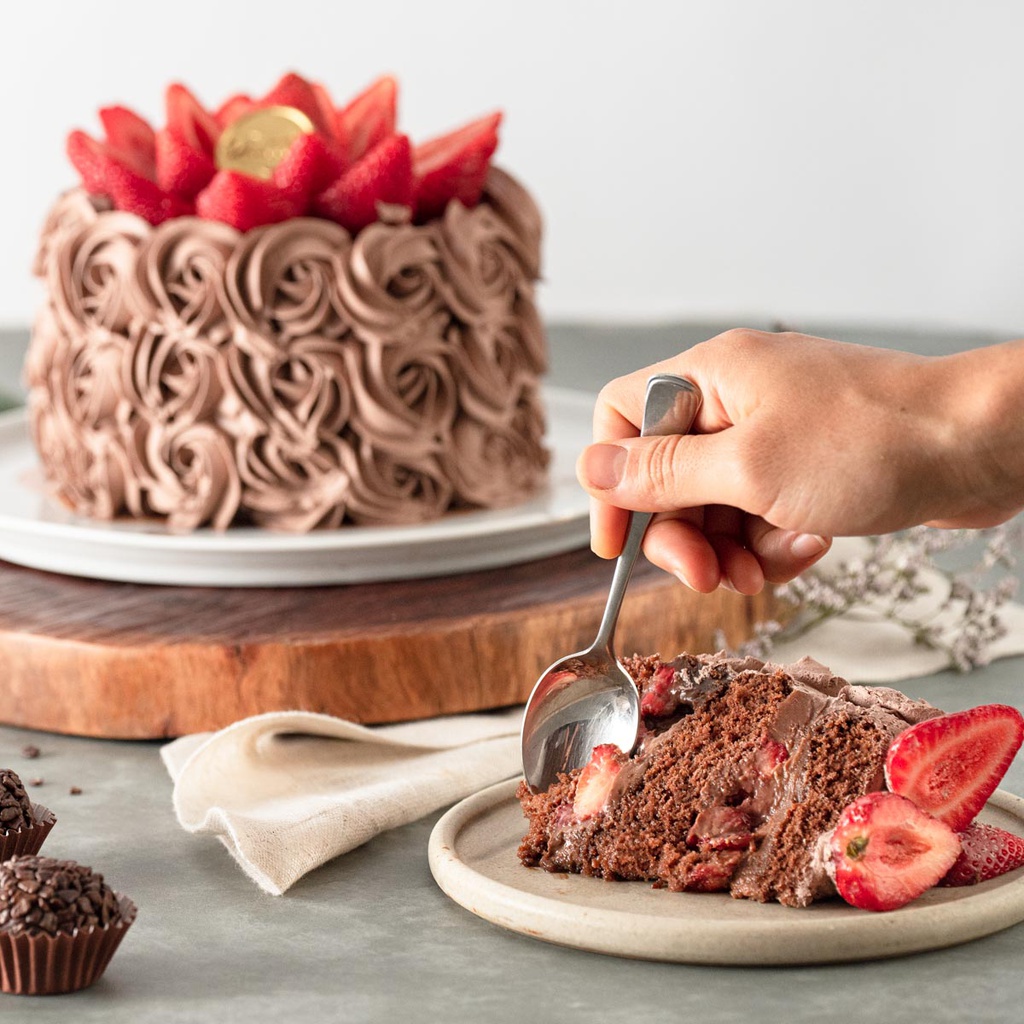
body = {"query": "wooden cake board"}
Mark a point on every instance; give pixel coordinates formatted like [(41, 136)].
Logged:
[(125, 660)]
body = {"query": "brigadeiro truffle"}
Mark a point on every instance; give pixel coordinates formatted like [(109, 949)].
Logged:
[(60, 924), (23, 824)]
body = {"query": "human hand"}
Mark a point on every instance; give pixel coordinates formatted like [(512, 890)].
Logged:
[(799, 439)]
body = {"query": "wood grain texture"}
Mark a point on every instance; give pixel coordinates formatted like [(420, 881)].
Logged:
[(125, 660)]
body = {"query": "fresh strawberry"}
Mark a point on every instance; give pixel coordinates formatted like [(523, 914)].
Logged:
[(986, 851), (721, 828), (369, 119), (130, 138), (770, 754), (886, 851), (384, 175), (659, 698), (294, 91), (105, 174), (180, 169), (310, 165), (233, 108), (244, 202), (594, 786), (454, 166), (190, 120), (92, 159), (325, 106), (949, 766)]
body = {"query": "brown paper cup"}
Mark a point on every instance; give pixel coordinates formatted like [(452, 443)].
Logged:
[(27, 841), (44, 965)]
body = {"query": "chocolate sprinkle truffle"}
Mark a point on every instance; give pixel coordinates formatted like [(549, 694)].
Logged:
[(15, 806), (41, 895)]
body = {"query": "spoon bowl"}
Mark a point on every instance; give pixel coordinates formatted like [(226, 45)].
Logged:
[(588, 698)]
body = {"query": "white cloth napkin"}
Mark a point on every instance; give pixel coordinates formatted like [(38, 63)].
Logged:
[(286, 792)]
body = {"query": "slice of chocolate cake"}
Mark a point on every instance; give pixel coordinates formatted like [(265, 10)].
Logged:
[(740, 770)]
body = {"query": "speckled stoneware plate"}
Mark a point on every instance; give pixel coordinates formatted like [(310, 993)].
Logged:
[(38, 532), (473, 859)]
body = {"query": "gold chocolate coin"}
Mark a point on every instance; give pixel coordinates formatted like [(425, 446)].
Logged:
[(256, 143)]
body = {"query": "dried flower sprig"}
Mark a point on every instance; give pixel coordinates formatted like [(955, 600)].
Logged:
[(944, 587)]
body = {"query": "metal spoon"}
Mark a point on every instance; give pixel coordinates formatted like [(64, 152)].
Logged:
[(588, 698)]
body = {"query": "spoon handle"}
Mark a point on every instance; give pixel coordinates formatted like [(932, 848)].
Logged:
[(670, 407)]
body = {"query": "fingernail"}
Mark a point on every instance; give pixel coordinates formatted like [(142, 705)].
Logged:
[(681, 576), (601, 465), (807, 545)]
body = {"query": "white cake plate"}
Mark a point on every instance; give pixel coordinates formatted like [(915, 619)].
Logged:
[(36, 531)]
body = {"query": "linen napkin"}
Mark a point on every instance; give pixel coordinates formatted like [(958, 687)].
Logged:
[(286, 792)]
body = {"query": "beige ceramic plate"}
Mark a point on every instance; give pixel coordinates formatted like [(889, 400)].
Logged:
[(473, 859)]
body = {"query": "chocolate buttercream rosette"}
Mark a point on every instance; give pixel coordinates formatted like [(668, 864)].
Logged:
[(24, 825), (60, 925)]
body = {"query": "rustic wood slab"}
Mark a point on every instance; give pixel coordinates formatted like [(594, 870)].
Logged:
[(126, 660)]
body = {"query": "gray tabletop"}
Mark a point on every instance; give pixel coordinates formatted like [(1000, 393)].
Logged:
[(369, 937)]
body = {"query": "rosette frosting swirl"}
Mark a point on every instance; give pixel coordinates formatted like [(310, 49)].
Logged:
[(290, 377), (282, 280), (180, 276)]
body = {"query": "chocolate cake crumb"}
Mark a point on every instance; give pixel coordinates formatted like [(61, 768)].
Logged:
[(35, 782), (41, 895), (31, 751), (75, 791), (15, 806)]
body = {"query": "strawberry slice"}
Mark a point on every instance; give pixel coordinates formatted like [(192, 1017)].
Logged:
[(92, 160), (180, 169), (233, 108), (887, 851), (986, 851), (949, 766), (594, 786), (384, 175), (244, 202), (294, 91), (369, 119), (105, 174), (131, 138), (309, 166), (454, 166), (190, 120)]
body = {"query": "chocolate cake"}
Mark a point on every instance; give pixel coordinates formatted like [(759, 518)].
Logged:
[(741, 769)]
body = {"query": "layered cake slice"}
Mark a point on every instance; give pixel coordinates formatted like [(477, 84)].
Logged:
[(742, 772)]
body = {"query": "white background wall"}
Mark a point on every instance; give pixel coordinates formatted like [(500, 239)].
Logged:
[(800, 159)]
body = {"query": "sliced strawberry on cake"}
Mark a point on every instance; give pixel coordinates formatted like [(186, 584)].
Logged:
[(384, 175), (190, 120), (949, 766), (244, 202), (368, 119), (454, 166), (181, 169), (294, 91), (130, 138), (311, 164)]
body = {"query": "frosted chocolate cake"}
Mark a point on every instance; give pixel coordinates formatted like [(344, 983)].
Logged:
[(740, 775), (325, 326)]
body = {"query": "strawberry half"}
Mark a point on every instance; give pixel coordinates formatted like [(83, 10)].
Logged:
[(454, 166), (244, 202), (180, 169), (986, 851), (886, 851), (384, 175), (594, 786), (190, 120), (294, 91), (233, 108), (309, 166), (131, 138), (369, 119), (950, 766)]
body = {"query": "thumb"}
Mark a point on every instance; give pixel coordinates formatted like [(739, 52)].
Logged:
[(660, 474)]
